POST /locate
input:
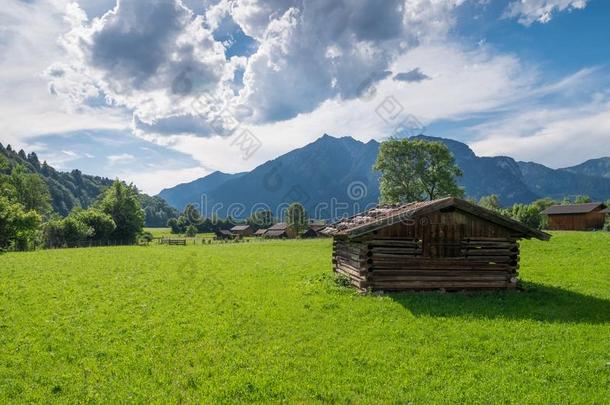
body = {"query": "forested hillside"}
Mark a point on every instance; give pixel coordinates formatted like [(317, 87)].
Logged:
[(69, 190)]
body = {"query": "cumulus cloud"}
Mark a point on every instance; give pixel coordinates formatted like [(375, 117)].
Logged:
[(530, 11), (280, 58), (321, 50), (28, 44), (147, 56), (556, 137)]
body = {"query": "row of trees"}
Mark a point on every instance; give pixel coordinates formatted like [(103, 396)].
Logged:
[(116, 217), (27, 219), (190, 222)]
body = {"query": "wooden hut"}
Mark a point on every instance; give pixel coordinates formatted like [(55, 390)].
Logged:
[(313, 231), (260, 232), (576, 217), (224, 234), (280, 230), (242, 230), (447, 244)]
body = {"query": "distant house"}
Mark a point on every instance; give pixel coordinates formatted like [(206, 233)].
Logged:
[(260, 232), (279, 231), (224, 234), (242, 230), (314, 231), (576, 217)]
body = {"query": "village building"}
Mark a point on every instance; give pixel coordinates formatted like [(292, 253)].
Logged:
[(242, 230), (260, 232), (447, 244), (576, 217), (314, 231), (224, 234), (280, 230)]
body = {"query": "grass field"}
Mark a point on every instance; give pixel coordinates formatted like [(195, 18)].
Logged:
[(167, 233), (267, 322)]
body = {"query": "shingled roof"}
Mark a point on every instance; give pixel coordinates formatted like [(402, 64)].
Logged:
[(606, 211), (573, 209), (280, 226), (240, 228), (272, 233), (386, 215)]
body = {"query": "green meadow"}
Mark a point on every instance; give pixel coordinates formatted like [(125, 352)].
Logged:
[(268, 322)]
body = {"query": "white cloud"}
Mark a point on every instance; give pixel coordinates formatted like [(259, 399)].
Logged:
[(556, 137), (59, 160), (121, 158), (530, 11), (152, 181), (462, 83), (156, 57), (31, 30), (147, 56)]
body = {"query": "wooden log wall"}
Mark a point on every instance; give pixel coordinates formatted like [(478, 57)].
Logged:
[(350, 260), (392, 264)]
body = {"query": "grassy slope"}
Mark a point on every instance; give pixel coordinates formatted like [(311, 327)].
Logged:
[(253, 322)]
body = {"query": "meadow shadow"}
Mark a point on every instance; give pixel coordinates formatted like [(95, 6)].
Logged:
[(535, 301)]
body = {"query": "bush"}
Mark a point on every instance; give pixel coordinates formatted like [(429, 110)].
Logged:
[(102, 224), (607, 224), (146, 237), (191, 231), (75, 231), (78, 227), (173, 224), (18, 227)]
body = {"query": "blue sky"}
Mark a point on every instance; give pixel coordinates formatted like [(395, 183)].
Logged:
[(165, 91)]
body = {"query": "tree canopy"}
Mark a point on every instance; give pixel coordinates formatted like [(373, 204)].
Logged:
[(296, 217), (121, 202), (17, 226), (31, 190), (260, 219), (415, 170)]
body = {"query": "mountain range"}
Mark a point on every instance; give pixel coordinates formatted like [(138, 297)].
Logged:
[(334, 176)]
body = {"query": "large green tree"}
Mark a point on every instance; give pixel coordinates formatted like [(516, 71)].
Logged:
[(260, 219), (491, 202), (296, 217), (121, 202), (18, 227), (102, 224), (415, 170), (31, 191)]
